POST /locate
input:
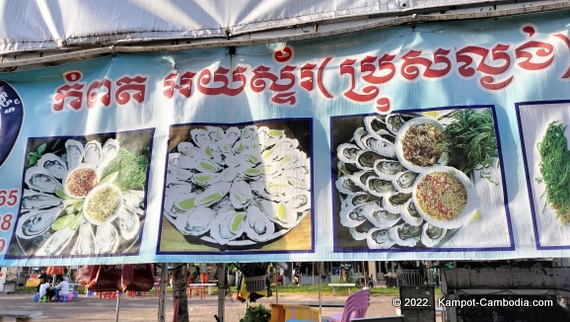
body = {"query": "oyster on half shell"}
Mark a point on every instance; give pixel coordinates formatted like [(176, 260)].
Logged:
[(36, 222), (128, 224), (53, 164), (259, 227), (38, 200), (109, 152), (85, 243), (228, 226), (195, 221), (75, 153), (347, 152), (208, 197), (431, 235), (379, 238), (93, 152), (39, 179), (280, 213), (106, 239), (406, 234), (355, 215), (240, 194), (57, 242)]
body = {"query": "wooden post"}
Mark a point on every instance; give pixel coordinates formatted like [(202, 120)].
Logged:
[(162, 294), (222, 285), (179, 288), (321, 271)]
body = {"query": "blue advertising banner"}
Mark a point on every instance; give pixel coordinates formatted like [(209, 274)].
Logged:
[(433, 141)]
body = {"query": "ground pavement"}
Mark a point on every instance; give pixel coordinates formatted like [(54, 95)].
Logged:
[(87, 309)]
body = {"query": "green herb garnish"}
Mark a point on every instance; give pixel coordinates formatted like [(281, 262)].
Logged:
[(555, 169), (130, 170), (471, 142)]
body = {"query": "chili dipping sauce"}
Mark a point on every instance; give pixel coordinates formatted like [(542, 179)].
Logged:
[(80, 181), (441, 195)]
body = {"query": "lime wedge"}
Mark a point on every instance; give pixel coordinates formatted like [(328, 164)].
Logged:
[(62, 222), (75, 222), (60, 193), (187, 204), (476, 215), (111, 177), (276, 133), (237, 221)]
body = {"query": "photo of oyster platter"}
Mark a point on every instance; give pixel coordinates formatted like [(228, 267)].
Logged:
[(406, 180), (82, 196), (238, 187)]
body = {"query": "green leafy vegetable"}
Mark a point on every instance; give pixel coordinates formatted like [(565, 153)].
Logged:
[(129, 169), (470, 141), (554, 166), (34, 156)]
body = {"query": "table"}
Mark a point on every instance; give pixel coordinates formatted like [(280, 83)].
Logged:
[(200, 287)]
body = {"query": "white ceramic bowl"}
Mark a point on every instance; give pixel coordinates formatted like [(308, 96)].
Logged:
[(399, 145), (470, 206), (88, 212), (73, 172)]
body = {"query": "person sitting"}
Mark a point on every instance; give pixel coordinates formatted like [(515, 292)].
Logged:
[(296, 275), (42, 278), (46, 290), (62, 288)]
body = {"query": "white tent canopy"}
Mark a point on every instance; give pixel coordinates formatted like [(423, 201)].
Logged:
[(40, 29)]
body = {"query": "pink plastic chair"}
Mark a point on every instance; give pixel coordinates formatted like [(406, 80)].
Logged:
[(356, 306)]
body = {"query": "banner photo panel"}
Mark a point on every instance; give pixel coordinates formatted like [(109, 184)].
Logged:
[(238, 187), (544, 134), (83, 196), (416, 180), (438, 141)]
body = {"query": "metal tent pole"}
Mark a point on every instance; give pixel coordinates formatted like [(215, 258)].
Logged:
[(223, 282), (162, 295), (117, 306)]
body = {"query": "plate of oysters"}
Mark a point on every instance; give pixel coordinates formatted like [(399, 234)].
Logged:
[(72, 203), (393, 188), (237, 187)]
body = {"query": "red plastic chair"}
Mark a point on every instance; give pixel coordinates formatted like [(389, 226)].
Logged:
[(356, 306), (204, 277), (109, 295)]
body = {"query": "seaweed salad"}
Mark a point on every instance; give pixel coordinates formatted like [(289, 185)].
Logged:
[(555, 170)]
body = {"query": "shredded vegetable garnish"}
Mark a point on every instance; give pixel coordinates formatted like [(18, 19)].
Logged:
[(555, 170), (421, 144)]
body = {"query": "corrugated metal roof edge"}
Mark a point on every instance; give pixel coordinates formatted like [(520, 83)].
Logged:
[(30, 60)]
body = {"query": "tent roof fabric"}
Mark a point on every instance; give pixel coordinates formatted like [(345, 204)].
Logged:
[(40, 32), (40, 25)]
